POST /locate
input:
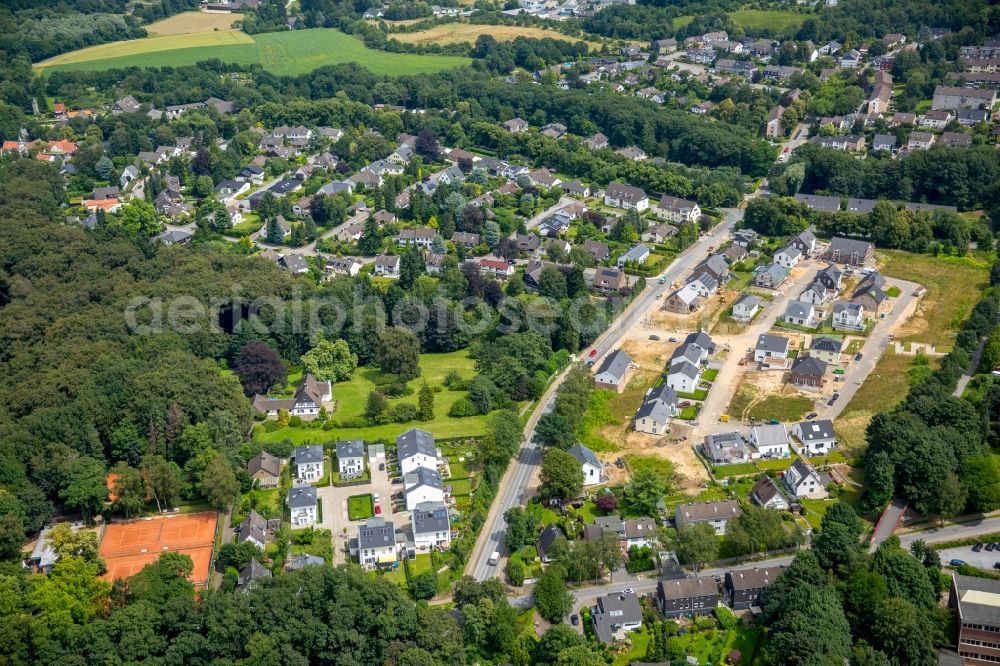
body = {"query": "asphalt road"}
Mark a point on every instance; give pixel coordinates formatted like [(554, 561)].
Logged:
[(516, 485)]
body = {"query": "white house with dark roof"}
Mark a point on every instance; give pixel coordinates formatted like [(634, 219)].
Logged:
[(615, 371), (800, 313), (817, 437), (746, 307), (788, 257), (264, 469), (803, 481), (308, 462), (805, 241), (675, 209), (620, 195), (416, 448), (302, 505), (683, 377), (770, 346), (350, 458), (387, 265), (766, 494), (377, 543), (431, 526), (657, 408), (614, 615), (422, 485), (637, 254), (717, 514), (771, 440), (848, 316), (593, 468)]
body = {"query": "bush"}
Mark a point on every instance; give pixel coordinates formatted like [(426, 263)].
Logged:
[(295, 422), (403, 412), (424, 586), (725, 617), (329, 425), (515, 572), (529, 552), (463, 407), (397, 390), (272, 426)]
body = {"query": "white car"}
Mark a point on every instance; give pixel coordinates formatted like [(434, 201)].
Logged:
[(375, 498), (628, 590)]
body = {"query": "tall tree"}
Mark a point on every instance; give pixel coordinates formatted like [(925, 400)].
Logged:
[(330, 361), (86, 489), (425, 403), (129, 490), (399, 353), (561, 474), (697, 544), (645, 491), (218, 483), (259, 368), (551, 597)]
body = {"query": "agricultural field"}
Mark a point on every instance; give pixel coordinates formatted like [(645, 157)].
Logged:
[(457, 33), (282, 53), (190, 22), (756, 19)]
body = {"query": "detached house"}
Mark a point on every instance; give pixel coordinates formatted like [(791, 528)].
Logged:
[(849, 251), (615, 371), (848, 316), (350, 459), (766, 494), (431, 525), (771, 440), (817, 437), (416, 448), (308, 462), (800, 313), (377, 543), (803, 481), (309, 398), (264, 470), (746, 308), (615, 615), (658, 407), (302, 505), (807, 371), (683, 301), (716, 514), (593, 469), (619, 195), (770, 346), (788, 257), (826, 349), (674, 209)]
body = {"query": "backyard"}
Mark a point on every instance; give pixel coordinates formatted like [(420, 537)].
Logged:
[(360, 507), (352, 396)]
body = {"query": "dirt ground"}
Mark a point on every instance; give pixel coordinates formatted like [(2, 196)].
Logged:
[(455, 33), (188, 22), (689, 472)]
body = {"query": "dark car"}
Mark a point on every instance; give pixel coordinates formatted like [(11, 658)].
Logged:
[(990, 547), (996, 565), (957, 563), (978, 547), (811, 415), (858, 356), (574, 619), (654, 337), (381, 467), (398, 479)]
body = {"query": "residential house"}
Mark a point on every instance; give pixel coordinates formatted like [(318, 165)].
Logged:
[(766, 494), (745, 238), (350, 458), (422, 485), (771, 276), (619, 195), (546, 539), (173, 237), (387, 266), (717, 514), (614, 615), (884, 142), (422, 237), (848, 143), (596, 249), (609, 280), (264, 470), (615, 371), (743, 587), (817, 437), (307, 401), (684, 597), (830, 277), (683, 301), (746, 308), (704, 284), (596, 142), (902, 118), (305, 560), (803, 481), (675, 209), (770, 347), (850, 59), (544, 177), (251, 573), (129, 173), (920, 141), (126, 104), (377, 543), (974, 603), (800, 313), (826, 349), (302, 505), (431, 526), (848, 316), (951, 97), (515, 125), (416, 448), (343, 266), (683, 376), (936, 119), (728, 448), (253, 530), (955, 139), (659, 233), (632, 153), (771, 440), (308, 462), (639, 532), (465, 239), (295, 264), (593, 468), (849, 251), (807, 371), (658, 407), (283, 224), (816, 294), (552, 130), (788, 257), (228, 190), (772, 127), (972, 117), (637, 254), (433, 263), (495, 268), (824, 204), (734, 254)]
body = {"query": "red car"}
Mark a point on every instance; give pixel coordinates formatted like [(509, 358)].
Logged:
[(593, 353), (378, 509)]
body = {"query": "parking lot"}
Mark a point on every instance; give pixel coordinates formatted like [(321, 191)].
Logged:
[(984, 559)]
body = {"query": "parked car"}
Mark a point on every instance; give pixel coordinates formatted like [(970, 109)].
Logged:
[(990, 547), (381, 467), (592, 354), (858, 356), (671, 339), (397, 479), (957, 563), (628, 590), (654, 337), (376, 498), (976, 548), (811, 415), (378, 509), (574, 619), (996, 565)]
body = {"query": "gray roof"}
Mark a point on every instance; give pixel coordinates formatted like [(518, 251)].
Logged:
[(749, 300), (772, 343), (764, 490), (978, 599), (690, 353), (750, 579), (301, 496), (305, 560), (771, 434), (809, 365), (615, 609), (849, 246), (685, 368), (655, 409), (798, 309), (616, 364), (685, 588), (702, 339), (253, 571), (662, 393), (827, 344), (715, 264), (820, 203), (792, 251), (702, 511), (813, 430), (430, 517), (415, 441), (376, 533), (422, 476), (352, 448), (853, 308), (308, 454), (584, 455)]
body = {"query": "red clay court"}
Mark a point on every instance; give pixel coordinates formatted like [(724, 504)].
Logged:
[(128, 547)]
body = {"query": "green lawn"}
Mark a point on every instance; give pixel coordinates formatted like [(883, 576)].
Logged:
[(640, 645), (659, 466), (419, 565), (460, 486), (697, 394), (710, 375), (740, 469), (781, 407), (360, 507), (771, 19), (283, 53), (351, 397)]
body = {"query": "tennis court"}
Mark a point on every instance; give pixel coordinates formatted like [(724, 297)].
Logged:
[(128, 547)]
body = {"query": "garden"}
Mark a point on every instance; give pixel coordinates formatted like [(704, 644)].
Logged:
[(360, 507)]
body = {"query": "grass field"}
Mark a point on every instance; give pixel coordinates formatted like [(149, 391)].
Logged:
[(758, 19), (781, 407), (457, 33), (352, 396), (283, 53), (953, 288), (360, 507), (188, 22)]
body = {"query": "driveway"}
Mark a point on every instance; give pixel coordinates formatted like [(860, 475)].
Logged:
[(984, 559)]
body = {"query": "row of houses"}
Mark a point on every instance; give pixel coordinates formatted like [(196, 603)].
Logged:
[(770, 441)]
